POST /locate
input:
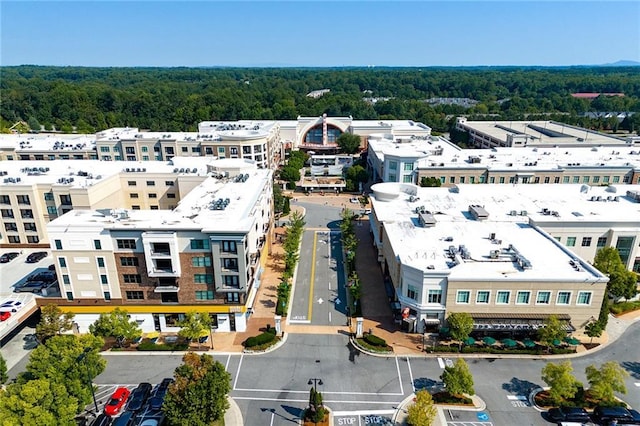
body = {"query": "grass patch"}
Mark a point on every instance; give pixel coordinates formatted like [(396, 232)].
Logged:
[(624, 307), (447, 398), (150, 346)]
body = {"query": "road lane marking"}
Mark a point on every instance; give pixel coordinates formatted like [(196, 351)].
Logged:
[(413, 385), (313, 274), (440, 362), (235, 382), (399, 376)]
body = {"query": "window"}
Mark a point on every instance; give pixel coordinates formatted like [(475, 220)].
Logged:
[(407, 179), (130, 150), (492, 179), (556, 179), (452, 179), (105, 149), (565, 179), (145, 149), (169, 150), (26, 213), (392, 177), (586, 241), (596, 179), (543, 298), (564, 298), (221, 151), (145, 158), (246, 150), (616, 179), (602, 242), (546, 179), (171, 195), (233, 150), (185, 149), (48, 196), (132, 183), (502, 297), (482, 297), (230, 263), (100, 261), (131, 278), (408, 167), (201, 261), (14, 239), (33, 239), (135, 207), (23, 199), (151, 183), (195, 149), (129, 261), (7, 213), (231, 281), (233, 298), (4, 199), (462, 179), (154, 207), (412, 293), (584, 298), (522, 298), (576, 179), (472, 179), (200, 245), (585, 179), (501, 179), (393, 165), (434, 296), (30, 227), (134, 295), (133, 195), (571, 241), (62, 262), (153, 195), (58, 244), (205, 295), (126, 244), (203, 278), (97, 245), (69, 295), (168, 183), (605, 179), (229, 247), (103, 279), (462, 296), (52, 210), (65, 279), (10, 226)]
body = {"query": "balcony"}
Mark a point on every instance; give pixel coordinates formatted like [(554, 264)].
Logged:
[(163, 268), (166, 285), (160, 249)]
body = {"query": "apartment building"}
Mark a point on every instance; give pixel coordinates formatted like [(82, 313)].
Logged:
[(47, 146), (520, 134), (37, 192), (508, 255), (205, 255)]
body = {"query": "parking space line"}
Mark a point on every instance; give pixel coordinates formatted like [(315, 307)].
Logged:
[(312, 276)]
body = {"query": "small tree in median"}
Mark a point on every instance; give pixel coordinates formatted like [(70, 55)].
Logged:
[(563, 385), (423, 411), (116, 324), (460, 325), (458, 379), (53, 321), (605, 381)]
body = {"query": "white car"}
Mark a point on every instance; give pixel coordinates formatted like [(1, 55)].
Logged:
[(10, 306)]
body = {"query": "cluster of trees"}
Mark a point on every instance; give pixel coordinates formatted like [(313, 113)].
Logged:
[(291, 247), (603, 382), (92, 99), (349, 245), (291, 171)]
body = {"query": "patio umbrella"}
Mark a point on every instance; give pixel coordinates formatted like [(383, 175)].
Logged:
[(528, 343), (152, 335), (469, 341), (489, 340), (572, 340), (556, 342), (509, 343)]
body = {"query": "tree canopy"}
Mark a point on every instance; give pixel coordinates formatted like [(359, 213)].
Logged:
[(458, 379), (199, 394), (622, 282), (551, 331), (53, 321), (563, 385), (37, 402), (194, 325), (460, 325), (423, 411), (116, 323), (349, 143), (605, 381)]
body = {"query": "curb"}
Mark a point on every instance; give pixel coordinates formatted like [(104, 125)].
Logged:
[(270, 349), (233, 415)]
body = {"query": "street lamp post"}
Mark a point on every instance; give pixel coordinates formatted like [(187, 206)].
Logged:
[(315, 382), (80, 358)]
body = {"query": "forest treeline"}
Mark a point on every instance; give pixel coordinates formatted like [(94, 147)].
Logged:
[(170, 99)]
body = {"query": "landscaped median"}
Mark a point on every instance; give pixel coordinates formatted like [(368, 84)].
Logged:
[(372, 344), (263, 342)]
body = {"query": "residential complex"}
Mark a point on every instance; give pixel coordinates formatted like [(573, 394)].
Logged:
[(508, 255), (47, 146), (204, 255)]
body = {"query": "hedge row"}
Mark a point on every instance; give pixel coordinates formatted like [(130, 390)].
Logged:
[(374, 340), (150, 346), (260, 339)]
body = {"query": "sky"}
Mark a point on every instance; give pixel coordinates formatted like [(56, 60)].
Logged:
[(318, 34)]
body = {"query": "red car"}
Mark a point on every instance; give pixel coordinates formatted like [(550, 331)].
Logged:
[(117, 401), (4, 316)]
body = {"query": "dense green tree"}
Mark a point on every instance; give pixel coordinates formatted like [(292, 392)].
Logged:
[(290, 174), (622, 283), (349, 143), (34, 125), (551, 331), (458, 379), (562, 384), (593, 329), (116, 323), (460, 325), (605, 381), (194, 325), (423, 410), (53, 321), (37, 402), (3, 370), (430, 182), (198, 397)]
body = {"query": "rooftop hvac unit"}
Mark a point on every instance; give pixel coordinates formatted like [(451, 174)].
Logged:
[(493, 254)]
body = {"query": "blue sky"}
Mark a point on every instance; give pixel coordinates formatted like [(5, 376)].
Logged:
[(328, 33)]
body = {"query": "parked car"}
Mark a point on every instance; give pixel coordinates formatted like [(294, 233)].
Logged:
[(139, 396), (31, 287), (605, 415), (157, 399), (102, 420), (569, 414), (635, 418), (124, 419), (36, 256), (5, 316), (46, 276), (11, 306), (117, 401), (8, 257)]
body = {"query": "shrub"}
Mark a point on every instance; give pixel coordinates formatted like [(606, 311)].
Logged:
[(624, 307), (375, 340), (150, 346), (260, 339)]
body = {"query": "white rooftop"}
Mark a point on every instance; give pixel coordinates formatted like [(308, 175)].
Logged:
[(47, 142), (383, 144), (83, 173), (427, 248), (196, 211), (208, 131)]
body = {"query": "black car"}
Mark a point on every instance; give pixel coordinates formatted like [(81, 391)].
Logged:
[(102, 420), (635, 418), (31, 287), (139, 396), (569, 414), (157, 399), (8, 257), (45, 276), (605, 415), (36, 257), (124, 419)]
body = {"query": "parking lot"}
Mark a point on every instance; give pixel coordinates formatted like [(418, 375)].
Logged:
[(16, 272)]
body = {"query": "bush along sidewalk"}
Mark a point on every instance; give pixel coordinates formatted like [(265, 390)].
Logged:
[(291, 247), (349, 245)]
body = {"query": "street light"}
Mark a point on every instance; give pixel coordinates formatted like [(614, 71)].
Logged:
[(312, 404), (315, 382), (80, 358)]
